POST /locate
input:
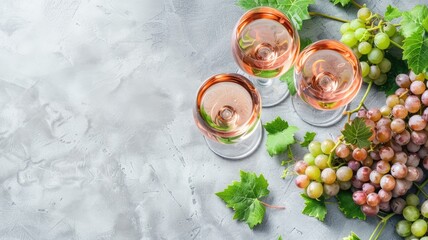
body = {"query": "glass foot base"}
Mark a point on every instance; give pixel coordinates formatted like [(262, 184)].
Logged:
[(238, 150), (272, 91), (315, 117)]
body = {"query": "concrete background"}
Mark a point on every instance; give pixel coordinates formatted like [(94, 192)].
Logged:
[(97, 139)]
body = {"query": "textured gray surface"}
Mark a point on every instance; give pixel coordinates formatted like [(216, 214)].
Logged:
[(96, 131)]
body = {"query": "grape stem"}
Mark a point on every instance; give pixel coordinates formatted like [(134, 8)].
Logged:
[(396, 44), (356, 4), (330, 156), (421, 190), (272, 206), (382, 223), (349, 113), (328, 16)]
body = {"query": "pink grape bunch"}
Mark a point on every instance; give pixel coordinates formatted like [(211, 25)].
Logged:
[(369, 36), (315, 175)]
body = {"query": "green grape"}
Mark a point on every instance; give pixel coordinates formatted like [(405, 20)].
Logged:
[(328, 176), (321, 161), (365, 68), (364, 13), (356, 52), (349, 39), (314, 190), (398, 38), (381, 79), (419, 228), (424, 209), (375, 56), (357, 23), (374, 72), (344, 173), (403, 228), (327, 145), (389, 29), (385, 65), (411, 213), (313, 172), (412, 200), (412, 237), (382, 40), (345, 28), (361, 34), (315, 148), (367, 79), (364, 47), (309, 159)]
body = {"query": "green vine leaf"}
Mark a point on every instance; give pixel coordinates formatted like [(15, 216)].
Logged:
[(280, 136), (348, 207), (243, 197), (342, 2), (357, 133), (416, 51), (412, 20), (352, 236), (314, 207), (392, 13), (295, 10), (308, 138)]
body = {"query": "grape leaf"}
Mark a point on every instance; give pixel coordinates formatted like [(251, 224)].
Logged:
[(415, 51), (343, 2), (348, 207), (288, 77), (425, 24), (412, 20), (314, 207), (357, 133), (243, 197), (295, 10), (280, 238), (280, 136), (309, 136), (392, 13), (352, 236)]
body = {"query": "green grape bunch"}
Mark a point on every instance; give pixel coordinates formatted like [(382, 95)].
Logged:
[(369, 36)]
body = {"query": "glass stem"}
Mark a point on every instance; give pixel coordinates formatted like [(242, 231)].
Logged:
[(264, 82)]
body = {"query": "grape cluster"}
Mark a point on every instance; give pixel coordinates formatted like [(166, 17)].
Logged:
[(315, 175), (369, 36), (413, 226)]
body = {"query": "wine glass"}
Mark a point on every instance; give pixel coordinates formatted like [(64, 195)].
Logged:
[(227, 112), (327, 76), (265, 46)]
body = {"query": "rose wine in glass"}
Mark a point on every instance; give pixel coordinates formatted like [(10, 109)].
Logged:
[(265, 46), (227, 112), (327, 76)]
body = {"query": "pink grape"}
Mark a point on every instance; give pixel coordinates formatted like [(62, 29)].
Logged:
[(363, 174), (398, 125), (386, 153), (424, 98), (399, 111), (385, 206), (413, 160), (400, 157), (412, 174), (368, 188), (387, 182), (417, 123), (369, 210), (397, 205), (412, 104), (419, 137), (399, 170), (403, 80), (375, 177), (402, 138), (300, 167), (385, 196), (373, 199), (383, 167), (302, 181), (342, 151), (359, 197), (417, 87), (354, 165)]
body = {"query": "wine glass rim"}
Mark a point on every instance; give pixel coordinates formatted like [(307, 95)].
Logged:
[(272, 11), (338, 46), (247, 85)]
